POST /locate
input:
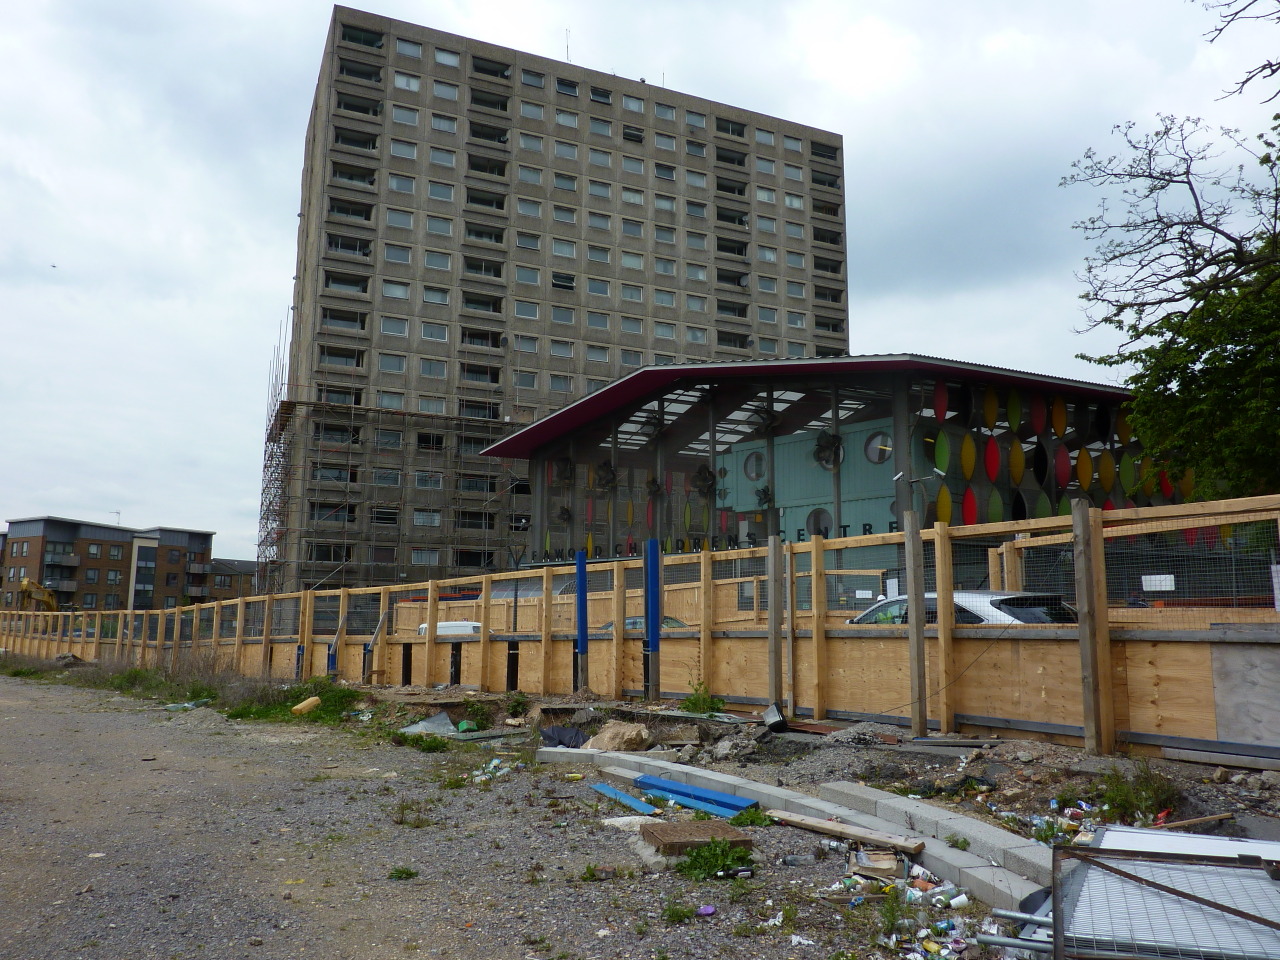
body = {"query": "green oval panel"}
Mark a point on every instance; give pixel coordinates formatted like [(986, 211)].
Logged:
[(1128, 473), (1064, 507), (1013, 407), (941, 452), (1044, 506), (995, 507)]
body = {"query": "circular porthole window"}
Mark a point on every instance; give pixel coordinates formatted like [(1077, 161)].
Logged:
[(754, 466), (878, 447), (819, 523)]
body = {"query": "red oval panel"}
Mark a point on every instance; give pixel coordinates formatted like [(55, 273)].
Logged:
[(1166, 485), (1061, 466), (991, 457), (969, 507), (940, 401)]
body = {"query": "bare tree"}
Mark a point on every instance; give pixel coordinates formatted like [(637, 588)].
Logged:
[(1231, 12), (1185, 226)]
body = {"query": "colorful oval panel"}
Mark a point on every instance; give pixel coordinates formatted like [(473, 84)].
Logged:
[(991, 458), (968, 456)]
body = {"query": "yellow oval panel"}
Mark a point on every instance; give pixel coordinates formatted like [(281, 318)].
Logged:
[(1106, 470), (1124, 432), (990, 407), (1058, 417), (1187, 484), (968, 456), (943, 504), (591, 544), (1084, 468), (1149, 475), (1017, 462)]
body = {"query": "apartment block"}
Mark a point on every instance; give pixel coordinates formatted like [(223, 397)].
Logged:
[(90, 566), (486, 236)]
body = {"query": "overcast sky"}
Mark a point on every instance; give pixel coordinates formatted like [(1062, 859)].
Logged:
[(150, 158)]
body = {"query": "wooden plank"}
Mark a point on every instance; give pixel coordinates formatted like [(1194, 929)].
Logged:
[(707, 616), (1194, 821), (821, 665), (264, 661), (546, 625), (1095, 677), (995, 569), (847, 831), (617, 647), (486, 594), (776, 592), (613, 793), (1170, 689), (306, 624)]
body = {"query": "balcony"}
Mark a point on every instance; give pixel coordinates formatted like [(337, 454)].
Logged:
[(199, 567), (62, 559), (61, 586), (196, 591)]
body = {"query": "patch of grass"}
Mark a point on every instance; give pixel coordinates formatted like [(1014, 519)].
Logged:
[(674, 914), (1045, 833), (402, 873), (276, 704), (479, 713), (426, 742), (516, 703), (455, 782), (409, 813), (957, 841), (701, 700), (702, 815), (1137, 797), (24, 672), (750, 817), (704, 862), (891, 910)]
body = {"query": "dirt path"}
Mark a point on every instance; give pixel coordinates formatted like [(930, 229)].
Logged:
[(129, 832)]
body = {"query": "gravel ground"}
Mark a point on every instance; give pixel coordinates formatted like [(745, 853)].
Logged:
[(129, 832)]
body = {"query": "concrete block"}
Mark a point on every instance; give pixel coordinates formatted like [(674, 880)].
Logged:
[(855, 796), (813, 807), (1031, 860), (625, 761), (710, 780), (669, 771), (620, 776), (566, 755), (948, 862), (900, 810), (997, 887), (769, 798), (987, 840)]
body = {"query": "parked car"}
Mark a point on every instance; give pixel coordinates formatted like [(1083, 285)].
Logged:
[(637, 623), (978, 606), (451, 628)]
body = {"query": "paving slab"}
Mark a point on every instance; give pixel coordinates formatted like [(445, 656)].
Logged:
[(567, 755)]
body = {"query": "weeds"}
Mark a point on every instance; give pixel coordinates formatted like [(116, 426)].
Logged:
[(891, 910), (1138, 797), (402, 873), (517, 703), (409, 813), (957, 841), (276, 704), (701, 700), (703, 863), (674, 914), (427, 743), (750, 817)]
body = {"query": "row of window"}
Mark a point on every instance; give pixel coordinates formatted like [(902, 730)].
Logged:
[(479, 266), (492, 69), (321, 552), (444, 124), (346, 473), (343, 434)]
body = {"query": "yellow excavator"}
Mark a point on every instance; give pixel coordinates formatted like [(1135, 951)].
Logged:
[(32, 596)]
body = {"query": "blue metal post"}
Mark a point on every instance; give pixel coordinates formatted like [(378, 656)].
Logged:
[(580, 576), (652, 618)]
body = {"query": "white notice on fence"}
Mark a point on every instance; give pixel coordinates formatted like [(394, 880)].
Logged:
[(1275, 585), (1157, 581)]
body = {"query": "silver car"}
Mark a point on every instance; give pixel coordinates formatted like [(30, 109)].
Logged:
[(978, 606)]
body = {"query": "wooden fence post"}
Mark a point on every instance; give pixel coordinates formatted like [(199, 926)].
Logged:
[(433, 617), (1097, 706), (619, 626), (777, 590), (545, 628), (943, 576), (268, 603), (818, 592), (706, 618), (306, 625), (913, 549), (486, 596)]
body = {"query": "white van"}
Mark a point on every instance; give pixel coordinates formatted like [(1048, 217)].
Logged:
[(451, 628)]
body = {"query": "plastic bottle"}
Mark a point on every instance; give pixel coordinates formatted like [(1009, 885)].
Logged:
[(799, 860)]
